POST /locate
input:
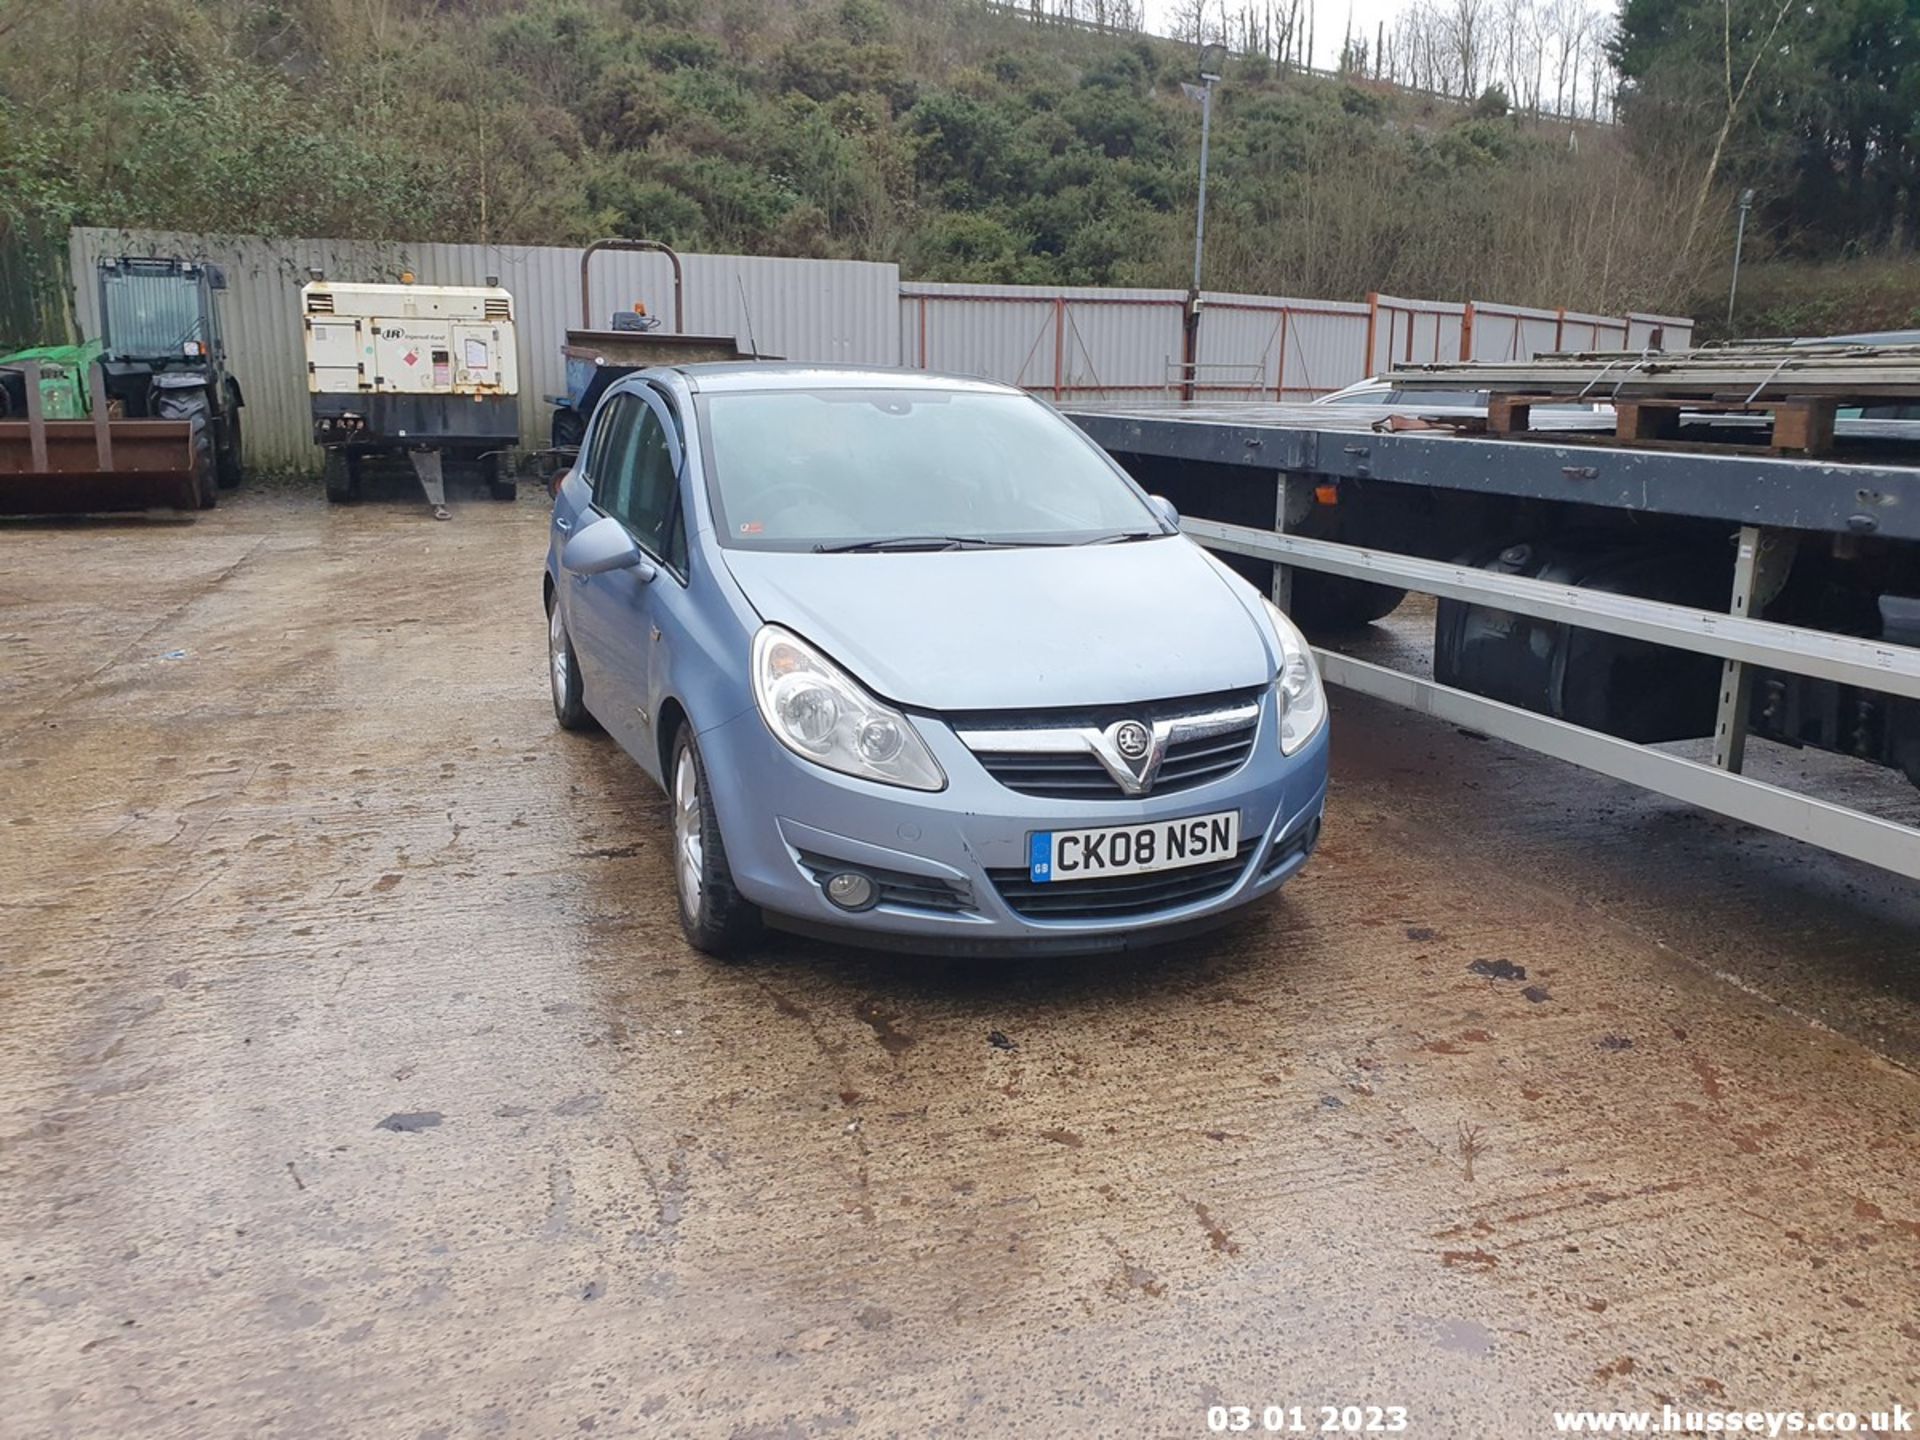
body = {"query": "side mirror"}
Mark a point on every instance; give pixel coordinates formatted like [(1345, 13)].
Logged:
[(602, 546), (1163, 507)]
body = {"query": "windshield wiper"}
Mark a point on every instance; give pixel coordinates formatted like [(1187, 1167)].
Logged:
[(907, 542), (1121, 537)]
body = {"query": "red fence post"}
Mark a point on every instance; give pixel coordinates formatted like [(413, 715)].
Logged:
[(1059, 341), (1280, 370), (1373, 319), (1466, 332)]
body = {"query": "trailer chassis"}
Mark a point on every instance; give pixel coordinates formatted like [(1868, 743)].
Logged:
[(1773, 502)]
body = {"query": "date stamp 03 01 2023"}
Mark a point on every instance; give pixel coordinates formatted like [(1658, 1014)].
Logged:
[(1307, 1419)]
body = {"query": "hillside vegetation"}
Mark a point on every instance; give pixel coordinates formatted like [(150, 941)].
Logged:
[(961, 142)]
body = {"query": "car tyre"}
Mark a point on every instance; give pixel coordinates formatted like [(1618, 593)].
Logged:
[(717, 919), (563, 672)]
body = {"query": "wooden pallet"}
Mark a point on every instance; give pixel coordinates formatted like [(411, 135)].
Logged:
[(1801, 424)]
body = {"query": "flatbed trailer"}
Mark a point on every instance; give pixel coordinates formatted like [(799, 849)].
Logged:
[(1595, 599)]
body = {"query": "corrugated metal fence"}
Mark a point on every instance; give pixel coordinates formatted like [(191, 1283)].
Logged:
[(1084, 344), (1069, 343), (826, 310)]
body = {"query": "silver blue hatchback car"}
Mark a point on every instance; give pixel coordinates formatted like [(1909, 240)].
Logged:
[(919, 666)]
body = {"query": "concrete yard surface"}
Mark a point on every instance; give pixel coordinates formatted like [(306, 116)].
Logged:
[(355, 1079)]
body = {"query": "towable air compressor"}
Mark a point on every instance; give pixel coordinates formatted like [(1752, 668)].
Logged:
[(428, 371)]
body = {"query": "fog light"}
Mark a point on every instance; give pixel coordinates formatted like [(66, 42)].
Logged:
[(851, 890)]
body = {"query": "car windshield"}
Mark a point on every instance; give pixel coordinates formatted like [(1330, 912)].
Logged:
[(151, 316), (1452, 399), (1383, 395), (849, 469)]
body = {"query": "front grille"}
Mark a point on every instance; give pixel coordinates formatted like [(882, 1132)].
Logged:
[(1121, 895), (1195, 762), (1079, 775), (896, 887), (1059, 777)]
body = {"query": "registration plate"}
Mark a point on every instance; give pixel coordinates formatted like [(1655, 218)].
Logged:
[(1056, 856)]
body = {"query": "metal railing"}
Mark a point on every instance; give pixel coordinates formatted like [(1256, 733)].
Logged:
[(1733, 637)]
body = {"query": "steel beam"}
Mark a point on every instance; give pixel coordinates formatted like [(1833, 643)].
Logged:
[(1736, 680), (1877, 842), (1850, 498), (1869, 664), (1293, 498)]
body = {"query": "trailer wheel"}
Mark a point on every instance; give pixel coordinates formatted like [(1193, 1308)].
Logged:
[(569, 428), (500, 482), (342, 478), (1333, 603)]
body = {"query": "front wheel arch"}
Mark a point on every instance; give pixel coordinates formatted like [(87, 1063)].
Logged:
[(666, 726)]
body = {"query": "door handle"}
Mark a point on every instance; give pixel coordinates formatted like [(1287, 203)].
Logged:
[(563, 525)]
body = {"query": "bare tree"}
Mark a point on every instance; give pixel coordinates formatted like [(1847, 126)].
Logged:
[(1567, 25), (1519, 52), (1535, 27), (1600, 86), (1187, 21), (1466, 27), (1736, 99), (1422, 47), (1286, 31)]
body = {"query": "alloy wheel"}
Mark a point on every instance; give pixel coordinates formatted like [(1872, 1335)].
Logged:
[(689, 847), (559, 656)]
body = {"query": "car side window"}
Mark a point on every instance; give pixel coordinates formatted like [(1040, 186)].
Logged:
[(676, 555), (640, 472), (610, 439)]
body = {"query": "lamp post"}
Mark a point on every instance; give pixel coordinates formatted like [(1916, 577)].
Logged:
[(1739, 241), (1203, 94)]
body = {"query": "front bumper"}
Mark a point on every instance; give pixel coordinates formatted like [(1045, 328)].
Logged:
[(950, 865)]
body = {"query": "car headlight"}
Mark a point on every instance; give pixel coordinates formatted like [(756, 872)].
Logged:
[(822, 714), (1297, 692)]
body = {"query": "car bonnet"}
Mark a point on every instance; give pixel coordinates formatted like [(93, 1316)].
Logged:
[(1018, 628)]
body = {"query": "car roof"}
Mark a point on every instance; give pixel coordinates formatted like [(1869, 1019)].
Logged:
[(718, 376)]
